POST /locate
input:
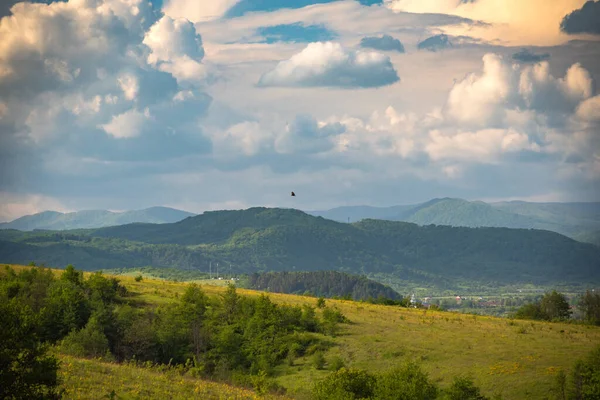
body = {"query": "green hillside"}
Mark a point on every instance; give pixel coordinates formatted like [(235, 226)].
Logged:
[(263, 239), (157, 322), (86, 219)]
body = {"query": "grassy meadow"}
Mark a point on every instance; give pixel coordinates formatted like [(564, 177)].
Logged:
[(514, 358)]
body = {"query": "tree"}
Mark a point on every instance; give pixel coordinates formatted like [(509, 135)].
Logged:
[(530, 311), (555, 306), (590, 306), (26, 372)]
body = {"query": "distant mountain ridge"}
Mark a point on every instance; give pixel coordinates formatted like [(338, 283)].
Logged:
[(580, 221), (273, 239), (89, 219)]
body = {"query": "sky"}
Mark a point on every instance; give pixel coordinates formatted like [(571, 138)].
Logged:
[(230, 104)]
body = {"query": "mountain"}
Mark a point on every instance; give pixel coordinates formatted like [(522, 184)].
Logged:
[(53, 220), (267, 239), (576, 220)]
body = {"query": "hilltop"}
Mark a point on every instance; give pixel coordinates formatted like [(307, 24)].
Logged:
[(54, 220), (269, 239), (580, 221)]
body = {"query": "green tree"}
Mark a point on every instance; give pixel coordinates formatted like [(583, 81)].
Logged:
[(72, 275), (531, 311), (590, 306), (555, 306), (26, 372)]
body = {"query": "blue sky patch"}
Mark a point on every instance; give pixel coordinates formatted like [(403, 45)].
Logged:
[(296, 33), (246, 6)]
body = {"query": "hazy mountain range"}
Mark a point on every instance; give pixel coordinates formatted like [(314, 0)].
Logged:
[(272, 239), (54, 220), (580, 221)]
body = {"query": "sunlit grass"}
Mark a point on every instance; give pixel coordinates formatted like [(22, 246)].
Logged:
[(94, 379), (518, 359)]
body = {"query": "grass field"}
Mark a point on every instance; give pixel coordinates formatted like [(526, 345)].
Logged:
[(94, 379), (517, 359)]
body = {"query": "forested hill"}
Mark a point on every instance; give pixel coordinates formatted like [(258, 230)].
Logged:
[(321, 283), (270, 239)]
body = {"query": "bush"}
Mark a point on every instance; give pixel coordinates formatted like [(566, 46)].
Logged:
[(336, 363), (463, 388), (345, 384), (87, 342), (585, 377), (318, 360), (138, 278), (407, 382)]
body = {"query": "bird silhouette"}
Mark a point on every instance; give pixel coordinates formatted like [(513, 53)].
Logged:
[(293, 194)]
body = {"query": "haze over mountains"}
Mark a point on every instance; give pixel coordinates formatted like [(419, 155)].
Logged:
[(54, 220)]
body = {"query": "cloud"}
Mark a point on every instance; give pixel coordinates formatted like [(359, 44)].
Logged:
[(583, 20), (509, 22), (83, 97), (383, 43), (483, 100), (304, 135), (13, 206), (589, 110), (296, 33), (127, 125), (176, 47), (197, 11), (435, 43), (526, 56), (483, 146), (328, 64)]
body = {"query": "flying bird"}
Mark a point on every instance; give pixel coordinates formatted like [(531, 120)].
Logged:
[(293, 194)]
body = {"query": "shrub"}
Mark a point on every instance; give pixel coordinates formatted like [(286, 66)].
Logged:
[(87, 342), (463, 388), (336, 363), (138, 278), (318, 360), (345, 384), (407, 382)]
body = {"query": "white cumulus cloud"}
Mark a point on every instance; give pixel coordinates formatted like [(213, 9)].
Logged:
[(329, 64)]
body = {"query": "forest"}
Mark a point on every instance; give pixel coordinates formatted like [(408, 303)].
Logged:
[(321, 284), (266, 240)]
